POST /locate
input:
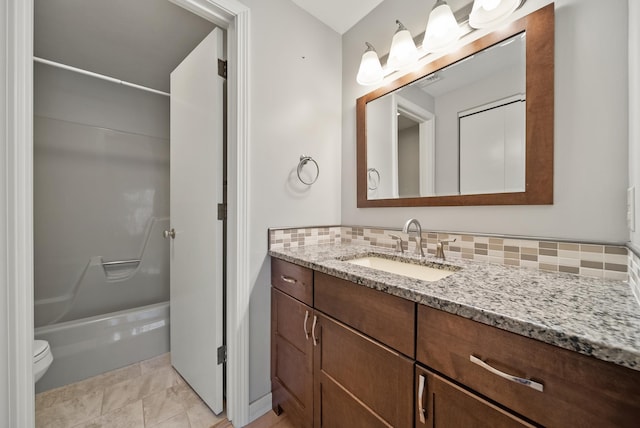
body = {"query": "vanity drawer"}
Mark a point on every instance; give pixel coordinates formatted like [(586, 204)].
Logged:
[(386, 318), (296, 281), (359, 382), (577, 390)]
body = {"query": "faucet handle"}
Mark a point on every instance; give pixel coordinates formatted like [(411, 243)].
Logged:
[(447, 241), (440, 247), (398, 240)]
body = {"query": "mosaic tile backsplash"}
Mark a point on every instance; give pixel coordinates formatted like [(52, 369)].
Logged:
[(601, 261)]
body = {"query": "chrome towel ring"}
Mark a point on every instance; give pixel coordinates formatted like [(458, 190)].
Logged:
[(373, 177), (303, 161)]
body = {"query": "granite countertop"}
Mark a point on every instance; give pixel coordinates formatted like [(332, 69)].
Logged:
[(592, 316)]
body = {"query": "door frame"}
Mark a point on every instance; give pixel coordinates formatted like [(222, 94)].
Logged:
[(16, 207), (427, 138)]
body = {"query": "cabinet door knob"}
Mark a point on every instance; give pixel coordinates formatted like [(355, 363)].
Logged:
[(306, 318), (313, 330), (169, 234), (422, 410)]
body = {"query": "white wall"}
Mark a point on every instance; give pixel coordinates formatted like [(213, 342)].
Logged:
[(591, 147), (634, 111), (295, 109)]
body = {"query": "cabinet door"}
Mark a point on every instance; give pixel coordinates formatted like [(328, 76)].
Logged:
[(359, 382), (442, 404), (291, 358)]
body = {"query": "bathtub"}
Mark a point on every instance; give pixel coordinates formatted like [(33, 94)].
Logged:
[(87, 347)]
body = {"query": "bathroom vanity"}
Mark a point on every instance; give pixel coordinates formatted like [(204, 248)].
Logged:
[(354, 346)]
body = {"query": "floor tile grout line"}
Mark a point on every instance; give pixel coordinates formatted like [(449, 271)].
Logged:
[(104, 390)]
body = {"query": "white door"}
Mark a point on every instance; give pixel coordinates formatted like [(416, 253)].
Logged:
[(196, 191)]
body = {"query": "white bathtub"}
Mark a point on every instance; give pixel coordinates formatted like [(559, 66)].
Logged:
[(90, 346)]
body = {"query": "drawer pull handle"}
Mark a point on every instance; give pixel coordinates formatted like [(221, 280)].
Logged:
[(313, 330), (306, 318), (288, 279), (422, 411), (522, 381)]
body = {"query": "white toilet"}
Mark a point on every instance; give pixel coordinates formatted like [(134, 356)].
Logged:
[(42, 358)]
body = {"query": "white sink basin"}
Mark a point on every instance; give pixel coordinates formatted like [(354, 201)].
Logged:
[(412, 270)]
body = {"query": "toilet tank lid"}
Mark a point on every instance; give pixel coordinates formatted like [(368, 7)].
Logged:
[(40, 347)]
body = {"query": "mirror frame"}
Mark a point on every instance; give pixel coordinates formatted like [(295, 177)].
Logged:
[(539, 27)]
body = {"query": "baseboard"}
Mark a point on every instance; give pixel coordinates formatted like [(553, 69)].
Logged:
[(259, 407)]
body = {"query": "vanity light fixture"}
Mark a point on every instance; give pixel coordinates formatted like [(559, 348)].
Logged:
[(403, 51), (370, 71), (441, 33), (491, 13), (442, 28)]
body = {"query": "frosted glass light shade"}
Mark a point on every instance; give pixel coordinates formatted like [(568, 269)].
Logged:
[(491, 13), (370, 71), (403, 52), (442, 28)]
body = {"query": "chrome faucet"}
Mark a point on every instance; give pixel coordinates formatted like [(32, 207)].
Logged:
[(418, 237)]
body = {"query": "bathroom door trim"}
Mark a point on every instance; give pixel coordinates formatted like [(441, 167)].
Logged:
[(16, 207)]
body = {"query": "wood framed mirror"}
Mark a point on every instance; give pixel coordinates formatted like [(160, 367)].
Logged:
[(468, 156)]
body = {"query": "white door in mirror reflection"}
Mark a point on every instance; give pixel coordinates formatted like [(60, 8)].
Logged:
[(401, 149), (492, 147)]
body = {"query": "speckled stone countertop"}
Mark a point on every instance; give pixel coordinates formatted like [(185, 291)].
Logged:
[(591, 316)]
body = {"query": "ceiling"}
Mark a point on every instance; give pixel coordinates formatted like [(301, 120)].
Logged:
[(140, 41), (340, 15), (507, 55)]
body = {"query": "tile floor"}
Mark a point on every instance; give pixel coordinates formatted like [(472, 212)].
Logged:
[(143, 395)]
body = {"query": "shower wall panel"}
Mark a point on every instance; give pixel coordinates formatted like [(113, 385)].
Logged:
[(101, 194)]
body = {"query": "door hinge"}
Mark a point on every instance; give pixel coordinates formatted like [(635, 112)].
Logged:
[(222, 354), (222, 211), (222, 68)]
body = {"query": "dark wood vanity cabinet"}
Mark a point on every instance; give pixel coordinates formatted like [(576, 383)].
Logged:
[(570, 390), (291, 358), (291, 344), (344, 355), (443, 404), (333, 368)]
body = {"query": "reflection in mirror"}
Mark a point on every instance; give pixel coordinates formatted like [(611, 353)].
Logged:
[(457, 131), (471, 127)]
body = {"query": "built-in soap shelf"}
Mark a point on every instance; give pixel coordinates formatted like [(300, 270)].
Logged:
[(119, 270)]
